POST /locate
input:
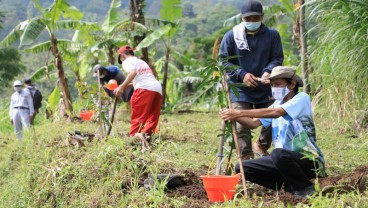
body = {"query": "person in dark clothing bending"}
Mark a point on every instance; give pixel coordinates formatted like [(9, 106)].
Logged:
[(112, 72)]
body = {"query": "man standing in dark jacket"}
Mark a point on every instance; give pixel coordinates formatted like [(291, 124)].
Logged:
[(258, 50)]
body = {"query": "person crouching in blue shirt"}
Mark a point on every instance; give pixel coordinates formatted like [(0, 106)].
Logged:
[(112, 72), (296, 158)]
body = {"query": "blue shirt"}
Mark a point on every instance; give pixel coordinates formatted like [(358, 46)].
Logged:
[(265, 54), (295, 131), (113, 72)]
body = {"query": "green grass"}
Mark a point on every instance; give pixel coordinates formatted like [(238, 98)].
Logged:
[(41, 171)]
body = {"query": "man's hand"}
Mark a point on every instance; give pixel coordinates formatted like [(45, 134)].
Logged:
[(229, 114), (119, 91), (250, 80), (11, 121), (264, 79)]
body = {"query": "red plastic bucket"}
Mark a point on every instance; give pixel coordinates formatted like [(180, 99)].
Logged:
[(220, 188), (86, 115)]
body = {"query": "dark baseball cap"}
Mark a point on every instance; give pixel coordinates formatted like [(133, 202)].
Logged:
[(97, 68), (27, 80), (251, 7)]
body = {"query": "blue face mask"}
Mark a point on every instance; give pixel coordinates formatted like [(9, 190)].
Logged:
[(252, 26)]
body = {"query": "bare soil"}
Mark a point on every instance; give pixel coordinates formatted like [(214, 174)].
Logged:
[(193, 188)]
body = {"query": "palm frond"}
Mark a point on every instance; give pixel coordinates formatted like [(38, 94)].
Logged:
[(45, 46), (13, 36), (76, 25), (31, 29), (157, 22), (151, 38), (112, 16), (171, 10), (127, 26), (38, 6), (42, 72), (234, 20)]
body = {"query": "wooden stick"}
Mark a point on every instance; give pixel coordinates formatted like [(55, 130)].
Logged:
[(99, 106), (221, 149), (112, 116), (235, 135)]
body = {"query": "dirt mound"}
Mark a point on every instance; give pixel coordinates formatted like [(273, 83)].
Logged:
[(356, 180), (193, 188)]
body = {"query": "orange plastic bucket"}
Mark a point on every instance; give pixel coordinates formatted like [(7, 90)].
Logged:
[(220, 188), (86, 115), (112, 85)]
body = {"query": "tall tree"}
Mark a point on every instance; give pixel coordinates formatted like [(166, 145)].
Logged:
[(303, 46), (50, 20), (170, 13), (10, 65), (137, 15)]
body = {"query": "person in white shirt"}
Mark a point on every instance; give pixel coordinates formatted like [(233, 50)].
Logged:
[(147, 95), (21, 109)]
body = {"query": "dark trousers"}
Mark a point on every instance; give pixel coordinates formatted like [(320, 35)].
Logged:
[(282, 167), (244, 134)]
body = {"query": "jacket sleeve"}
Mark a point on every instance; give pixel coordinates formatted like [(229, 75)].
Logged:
[(277, 54), (30, 104), (227, 49)]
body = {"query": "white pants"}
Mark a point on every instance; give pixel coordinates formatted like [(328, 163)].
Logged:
[(20, 120)]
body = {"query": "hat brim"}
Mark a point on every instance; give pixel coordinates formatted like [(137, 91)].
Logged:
[(298, 80), (250, 14)]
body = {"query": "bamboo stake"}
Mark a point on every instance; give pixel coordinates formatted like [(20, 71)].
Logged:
[(223, 125), (235, 136), (100, 127), (221, 149)]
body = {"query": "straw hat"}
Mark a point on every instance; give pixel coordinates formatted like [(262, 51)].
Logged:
[(285, 72)]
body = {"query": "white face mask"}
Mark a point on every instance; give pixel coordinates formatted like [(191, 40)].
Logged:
[(279, 92), (18, 89)]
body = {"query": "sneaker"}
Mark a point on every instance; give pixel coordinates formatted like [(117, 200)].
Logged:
[(306, 192), (260, 149)]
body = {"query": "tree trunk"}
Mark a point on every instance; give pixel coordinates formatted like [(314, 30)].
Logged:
[(164, 82), (136, 15), (303, 47), (61, 75), (110, 55)]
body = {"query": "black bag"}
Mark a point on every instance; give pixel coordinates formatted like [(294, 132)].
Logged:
[(37, 99)]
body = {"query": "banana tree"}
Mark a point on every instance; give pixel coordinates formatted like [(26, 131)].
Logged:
[(137, 15), (113, 33), (170, 12), (28, 31)]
